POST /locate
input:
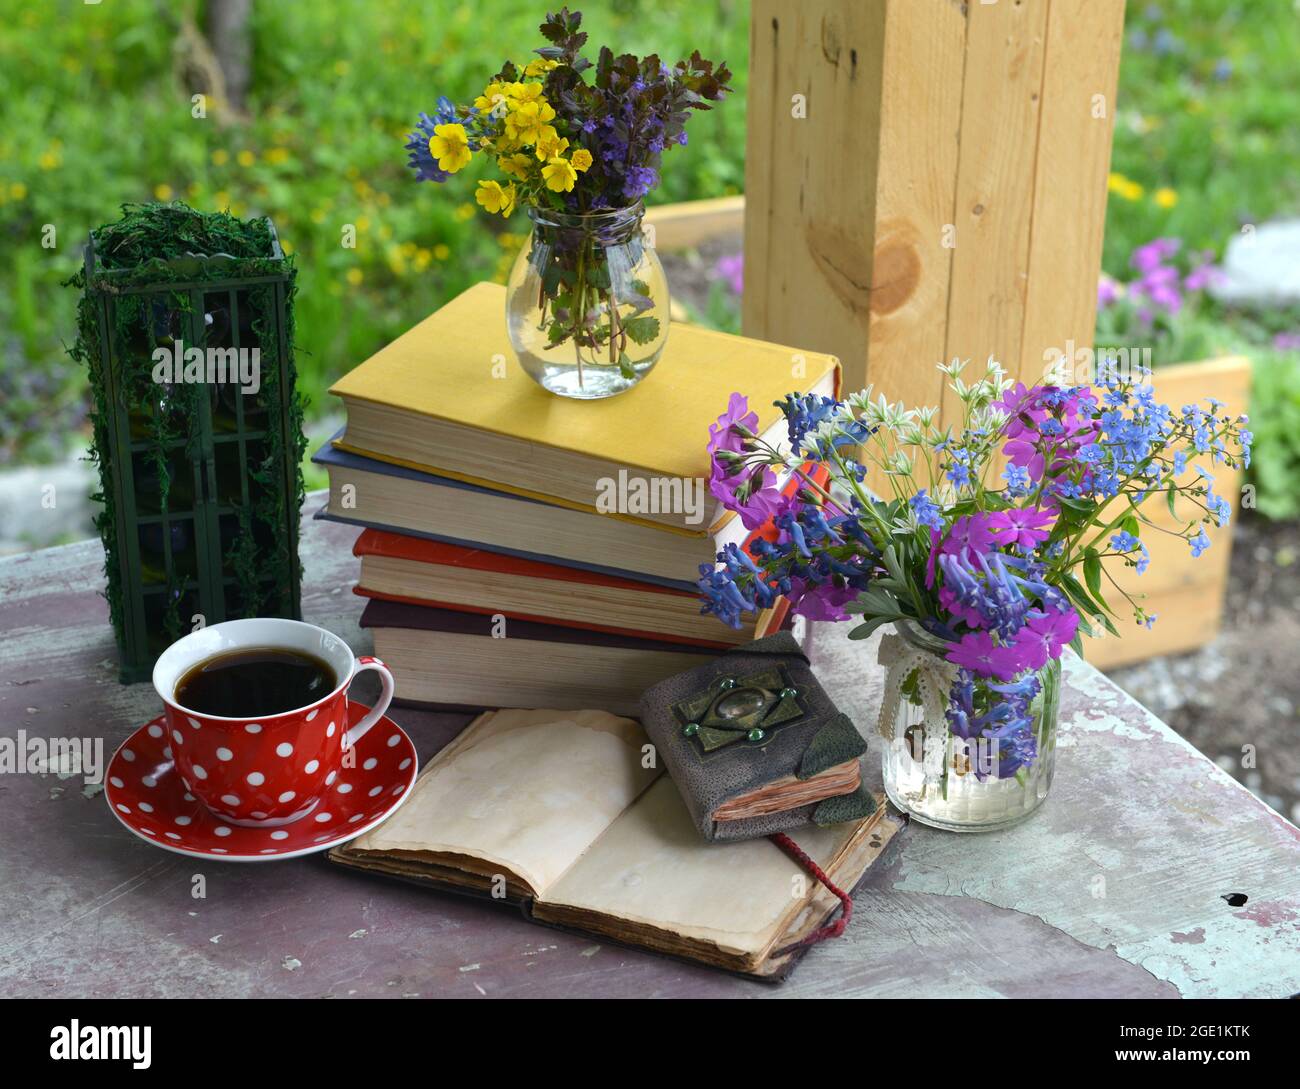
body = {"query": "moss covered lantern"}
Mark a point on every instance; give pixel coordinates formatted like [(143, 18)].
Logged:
[(185, 325)]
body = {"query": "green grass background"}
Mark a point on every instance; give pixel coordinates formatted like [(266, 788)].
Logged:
[(95, 111)]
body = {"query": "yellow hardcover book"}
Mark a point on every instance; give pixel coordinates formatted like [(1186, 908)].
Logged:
[(447, 397)]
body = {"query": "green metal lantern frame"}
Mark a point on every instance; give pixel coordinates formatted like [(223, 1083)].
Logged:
[(201, 489)]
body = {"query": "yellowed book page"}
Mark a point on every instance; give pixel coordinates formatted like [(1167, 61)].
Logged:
[(527, 790), (652, 867)]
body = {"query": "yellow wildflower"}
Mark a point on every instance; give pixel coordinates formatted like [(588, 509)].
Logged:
[(494, 198), (581, 159), (354, 276), (162, 191), (494, 99), (220, 157), (559, 175), (1125, 187), (245, 158), (278, 155), (17, 190), (528, 122), (551, 145), (539, 67), (526, 92), (463, 212), (450, 146), (441, 251), (1165, 197), (50, 160), (515, 165)]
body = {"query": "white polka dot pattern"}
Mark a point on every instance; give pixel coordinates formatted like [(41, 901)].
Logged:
[(359, 796)]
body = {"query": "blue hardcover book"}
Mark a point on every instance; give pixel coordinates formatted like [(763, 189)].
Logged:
[(367, 492)]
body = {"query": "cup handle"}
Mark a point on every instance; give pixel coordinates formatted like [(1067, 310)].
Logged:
[(377, 712)]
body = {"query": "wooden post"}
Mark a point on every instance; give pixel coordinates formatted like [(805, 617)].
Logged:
[(927, 179)]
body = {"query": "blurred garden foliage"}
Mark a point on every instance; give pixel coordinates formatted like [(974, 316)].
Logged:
[(96, 110)]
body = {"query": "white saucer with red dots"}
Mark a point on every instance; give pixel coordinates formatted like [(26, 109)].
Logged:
[(145, 792)]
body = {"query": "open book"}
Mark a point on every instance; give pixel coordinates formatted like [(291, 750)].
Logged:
[(569, 814)]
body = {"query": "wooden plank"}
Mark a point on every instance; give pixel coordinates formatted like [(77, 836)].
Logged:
[(1076, 124), (688, 223), (952, 162), (811, 174), (1001, 94), (915, 194), (847, 208)]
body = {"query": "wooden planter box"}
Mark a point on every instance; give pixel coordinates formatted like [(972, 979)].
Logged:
[(1185, 593)]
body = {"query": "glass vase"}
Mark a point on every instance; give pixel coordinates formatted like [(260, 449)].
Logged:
[(963, 785), (587, 303)]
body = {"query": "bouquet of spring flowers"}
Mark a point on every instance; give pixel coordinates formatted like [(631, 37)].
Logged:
[(993, 577), (575, 143)]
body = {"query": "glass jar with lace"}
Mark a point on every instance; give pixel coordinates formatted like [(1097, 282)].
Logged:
[(962, 752)]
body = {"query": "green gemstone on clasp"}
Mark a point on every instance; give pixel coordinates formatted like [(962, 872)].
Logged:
[(789, 693), (691, 729), (727, 682), (755, 734)]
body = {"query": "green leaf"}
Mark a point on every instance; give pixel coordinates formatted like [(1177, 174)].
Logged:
[(1092, 572), (642, 329), (867, 627), (1081, 505)]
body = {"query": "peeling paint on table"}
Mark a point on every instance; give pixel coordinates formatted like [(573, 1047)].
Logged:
[(1114, 888)]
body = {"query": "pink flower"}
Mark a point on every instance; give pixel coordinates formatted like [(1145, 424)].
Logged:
[(979, 652), (935, 537), (970, 535), (1049, 632), (750, 490), (731, 268), (949, 600), (823, 601), (1020, 404), (1026, 526), (725, 435), (1027, 456)]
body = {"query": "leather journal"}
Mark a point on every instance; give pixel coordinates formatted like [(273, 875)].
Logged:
[(755, 744)]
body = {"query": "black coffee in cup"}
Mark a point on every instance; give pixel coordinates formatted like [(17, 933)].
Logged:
[(253, 682)]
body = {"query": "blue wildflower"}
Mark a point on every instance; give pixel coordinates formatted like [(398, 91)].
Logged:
[(421, 159), (927, 511)]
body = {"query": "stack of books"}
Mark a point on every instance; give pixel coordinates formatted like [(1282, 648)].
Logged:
[(525, 550)]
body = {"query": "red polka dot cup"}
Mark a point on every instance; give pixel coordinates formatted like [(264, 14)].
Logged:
[(269, 770)]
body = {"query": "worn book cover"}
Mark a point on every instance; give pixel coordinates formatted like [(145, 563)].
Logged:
[(755, 745)]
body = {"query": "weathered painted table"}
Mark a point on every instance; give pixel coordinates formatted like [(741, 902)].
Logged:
[(1115, 888)]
